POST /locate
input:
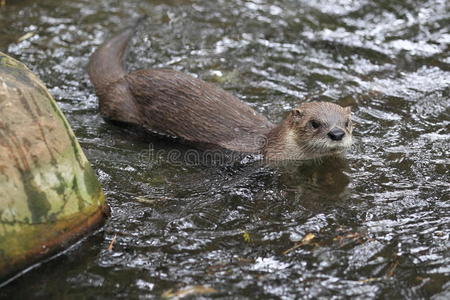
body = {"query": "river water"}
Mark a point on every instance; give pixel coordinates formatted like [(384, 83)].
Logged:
[(372, 226)]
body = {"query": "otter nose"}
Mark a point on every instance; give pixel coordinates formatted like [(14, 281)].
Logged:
[(336, 134)]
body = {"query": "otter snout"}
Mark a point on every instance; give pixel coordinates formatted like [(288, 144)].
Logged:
[(336, 134)]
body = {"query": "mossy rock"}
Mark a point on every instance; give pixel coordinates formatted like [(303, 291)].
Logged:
[(49, 194)]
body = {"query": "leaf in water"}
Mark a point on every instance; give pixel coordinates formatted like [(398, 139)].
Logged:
[(368, 280), (26, 36), (113, 241), (246, 236), (145, 200), (308, 238), (305, 241), (188, 291)]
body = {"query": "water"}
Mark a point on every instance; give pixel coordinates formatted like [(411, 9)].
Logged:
[(373, 226)]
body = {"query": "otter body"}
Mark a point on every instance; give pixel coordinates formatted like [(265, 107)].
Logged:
[(172, 103)]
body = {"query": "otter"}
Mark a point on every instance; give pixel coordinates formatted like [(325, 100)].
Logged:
[(179, 105)]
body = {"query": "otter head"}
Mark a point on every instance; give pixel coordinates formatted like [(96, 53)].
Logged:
[(320, 129)]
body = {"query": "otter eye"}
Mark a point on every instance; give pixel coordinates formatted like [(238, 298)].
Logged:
[(314, 124)]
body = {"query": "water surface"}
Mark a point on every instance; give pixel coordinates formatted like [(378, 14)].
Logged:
[(375, 225)]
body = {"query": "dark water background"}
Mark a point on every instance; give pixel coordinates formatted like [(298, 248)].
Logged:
[(380, 219)]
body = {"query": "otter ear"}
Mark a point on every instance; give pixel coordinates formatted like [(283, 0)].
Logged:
[(348, 109), (297, 113)]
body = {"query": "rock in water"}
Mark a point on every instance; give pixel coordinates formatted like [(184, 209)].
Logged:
[(49, 194)]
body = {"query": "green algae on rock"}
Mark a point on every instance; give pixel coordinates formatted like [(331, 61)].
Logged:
[(49, 195)]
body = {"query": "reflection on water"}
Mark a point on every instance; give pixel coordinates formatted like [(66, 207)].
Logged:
[(375, 225)]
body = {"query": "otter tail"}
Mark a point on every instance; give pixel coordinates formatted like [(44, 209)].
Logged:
[(106, 65), (107, 73)]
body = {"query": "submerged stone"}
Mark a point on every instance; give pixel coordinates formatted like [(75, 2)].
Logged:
[(49, 195)]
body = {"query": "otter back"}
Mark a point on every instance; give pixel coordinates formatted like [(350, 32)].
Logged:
[(181, 105)]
